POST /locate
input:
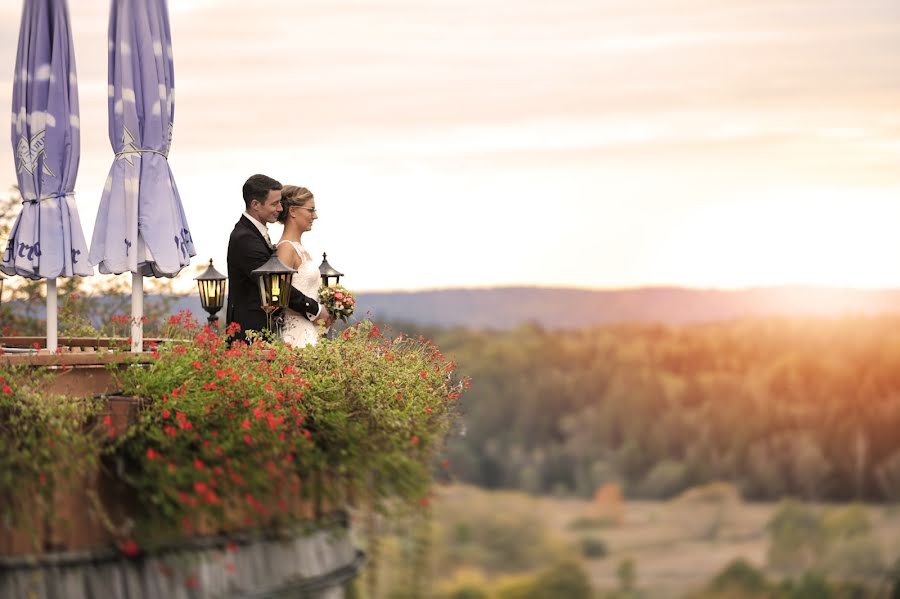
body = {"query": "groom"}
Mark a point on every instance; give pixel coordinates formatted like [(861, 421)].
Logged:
[(249, 247)]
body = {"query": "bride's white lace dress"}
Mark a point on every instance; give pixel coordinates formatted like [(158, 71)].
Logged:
[(297, 329)]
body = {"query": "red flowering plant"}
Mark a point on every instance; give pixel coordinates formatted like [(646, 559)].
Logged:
[(241, 436)]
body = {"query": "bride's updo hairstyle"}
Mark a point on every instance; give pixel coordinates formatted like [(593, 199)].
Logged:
[(292, 195)]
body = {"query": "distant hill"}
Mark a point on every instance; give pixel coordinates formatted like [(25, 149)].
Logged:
[(506, 307), (553, 308)]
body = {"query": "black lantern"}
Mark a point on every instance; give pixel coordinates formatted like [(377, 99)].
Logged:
[(328, 273), (211, 285), (274, 286)]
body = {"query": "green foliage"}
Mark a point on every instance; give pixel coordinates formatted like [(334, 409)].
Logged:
[(739, 576), (235, 434), (849, 522), (590, 523), (855, 558), (480, 540), (464, 584), (740, 580), (468, 592), (498, 534), (565, 579), (664, 480), (226, 438), (626, 572), (49, 441), (593, 548), (852, 552), (662, 409), (809, 586), (519, 587), (837, 540), (798, 537), (705, 511)]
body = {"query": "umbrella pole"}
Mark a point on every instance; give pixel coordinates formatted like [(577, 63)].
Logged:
[(51, 315), (137, 312)]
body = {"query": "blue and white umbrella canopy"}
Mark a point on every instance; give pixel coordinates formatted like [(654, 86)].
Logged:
[(46, 240), (141, 226)]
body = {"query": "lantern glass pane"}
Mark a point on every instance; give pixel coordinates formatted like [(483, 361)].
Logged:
[(204, 298), (220, 293), (263, 290), (281, 291), (276, 290)]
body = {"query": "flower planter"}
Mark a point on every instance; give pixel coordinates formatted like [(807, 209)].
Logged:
[(79, 552), (227, 440)]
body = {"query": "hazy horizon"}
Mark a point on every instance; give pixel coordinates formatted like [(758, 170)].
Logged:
[(797, 289)]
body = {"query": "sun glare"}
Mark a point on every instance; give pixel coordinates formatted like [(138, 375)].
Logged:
[(815, 237)]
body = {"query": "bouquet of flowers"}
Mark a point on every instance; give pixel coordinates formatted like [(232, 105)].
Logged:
[(337, 300)]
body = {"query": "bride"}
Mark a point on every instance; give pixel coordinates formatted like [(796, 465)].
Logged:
[(298, 211)]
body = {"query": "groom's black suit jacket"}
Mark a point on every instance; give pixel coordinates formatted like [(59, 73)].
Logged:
[(247, 251)]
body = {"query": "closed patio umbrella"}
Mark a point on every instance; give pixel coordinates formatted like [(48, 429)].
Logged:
[(46, 240), (140, 226)]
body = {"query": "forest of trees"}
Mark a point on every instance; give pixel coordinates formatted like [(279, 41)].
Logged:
[(802, 407)]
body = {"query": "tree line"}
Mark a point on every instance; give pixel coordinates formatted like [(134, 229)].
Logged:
[(781, 407)]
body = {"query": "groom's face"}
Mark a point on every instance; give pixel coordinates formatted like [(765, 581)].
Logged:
[(270, 209)]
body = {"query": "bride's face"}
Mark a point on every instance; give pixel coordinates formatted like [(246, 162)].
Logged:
[(304, 215)]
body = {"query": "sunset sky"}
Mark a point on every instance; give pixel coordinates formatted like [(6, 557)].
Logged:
[(588, 143)]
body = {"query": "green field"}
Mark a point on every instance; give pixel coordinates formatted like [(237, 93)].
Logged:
[(494, 541)]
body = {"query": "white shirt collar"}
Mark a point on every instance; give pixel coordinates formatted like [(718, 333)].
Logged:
[(262, 228)]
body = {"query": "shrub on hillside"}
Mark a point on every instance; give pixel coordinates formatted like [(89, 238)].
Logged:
[(706, 510), (467, 583), (494, 531), (852, 552), (809, 586), (848, 522), (739, 576), (838, 541), (513, 587), (664, 480), (590, 523), (798, 538), (566, 579), (593, 548), (468, 592), (856, 558)]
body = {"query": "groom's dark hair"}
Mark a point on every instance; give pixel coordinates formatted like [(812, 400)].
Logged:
[(258, 187)]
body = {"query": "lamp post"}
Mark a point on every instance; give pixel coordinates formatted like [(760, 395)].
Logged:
[(211, 285), (328, 272), (274, 286)]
